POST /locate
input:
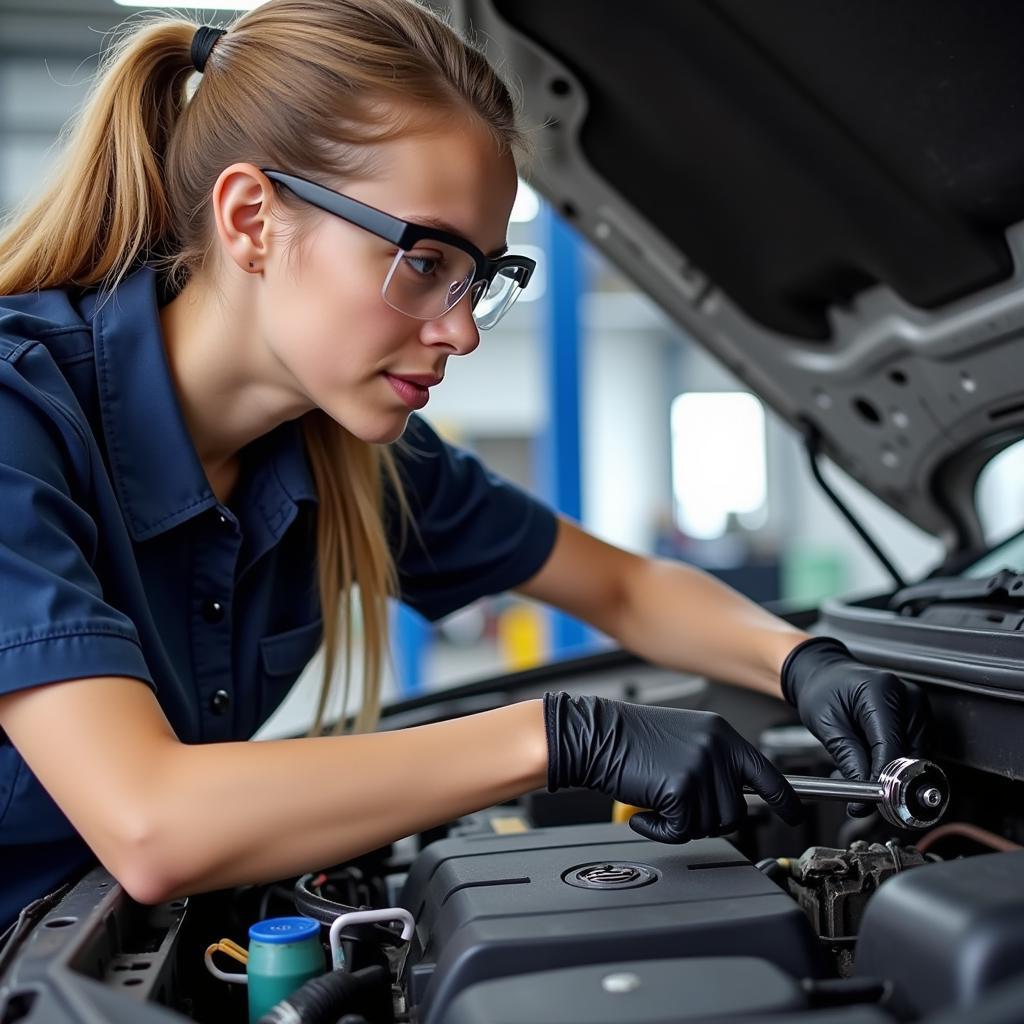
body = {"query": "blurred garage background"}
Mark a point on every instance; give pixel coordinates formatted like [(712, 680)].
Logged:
[(586, 394)]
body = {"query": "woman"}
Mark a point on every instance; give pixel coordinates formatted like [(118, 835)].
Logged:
[(219, 318)]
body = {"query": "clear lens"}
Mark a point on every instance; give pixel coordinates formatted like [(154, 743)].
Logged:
[(428, 280), (491, 305)]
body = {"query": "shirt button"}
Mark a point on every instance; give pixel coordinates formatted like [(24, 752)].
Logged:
[(223, 520), (213, 611), (220, 702)]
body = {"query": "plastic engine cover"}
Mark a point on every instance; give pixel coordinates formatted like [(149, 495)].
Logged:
[(958, 927), (492, 906), (638, 991)]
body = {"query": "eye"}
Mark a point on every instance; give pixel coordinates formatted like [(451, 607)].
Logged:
[(424, 264)]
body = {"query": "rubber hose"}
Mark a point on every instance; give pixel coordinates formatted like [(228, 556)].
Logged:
[(321, 909), (323, 1000)]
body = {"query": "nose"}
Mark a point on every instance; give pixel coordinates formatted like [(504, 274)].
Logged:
[(455, 329)]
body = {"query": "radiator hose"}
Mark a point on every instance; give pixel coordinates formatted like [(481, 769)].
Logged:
[(323, 1000)]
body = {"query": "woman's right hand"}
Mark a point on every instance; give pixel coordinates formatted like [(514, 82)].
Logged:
[(689, 767)]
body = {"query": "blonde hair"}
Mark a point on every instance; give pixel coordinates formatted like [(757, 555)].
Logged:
[(298, 85)]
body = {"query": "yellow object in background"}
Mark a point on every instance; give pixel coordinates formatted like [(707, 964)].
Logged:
[(509, 825), (521, 636), (621, 813)]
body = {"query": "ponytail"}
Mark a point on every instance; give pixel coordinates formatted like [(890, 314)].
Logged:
[(105, 205)]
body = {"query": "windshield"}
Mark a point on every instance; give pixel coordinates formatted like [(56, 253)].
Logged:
[(1007, 555)]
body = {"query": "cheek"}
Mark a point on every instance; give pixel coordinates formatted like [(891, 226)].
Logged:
[(331, 327)]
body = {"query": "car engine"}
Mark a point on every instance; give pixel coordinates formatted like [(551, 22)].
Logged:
[(548, 910)]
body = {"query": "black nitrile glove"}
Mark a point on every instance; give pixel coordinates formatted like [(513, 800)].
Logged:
[(865, 717), (689, 767)]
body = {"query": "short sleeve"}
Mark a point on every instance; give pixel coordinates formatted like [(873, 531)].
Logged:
[(475, 533), (54, 621)]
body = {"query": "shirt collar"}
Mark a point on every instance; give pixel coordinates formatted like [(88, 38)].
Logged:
[(157, 473), (275, 477)]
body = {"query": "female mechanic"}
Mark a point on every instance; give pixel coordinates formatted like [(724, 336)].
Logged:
[(218, 319)]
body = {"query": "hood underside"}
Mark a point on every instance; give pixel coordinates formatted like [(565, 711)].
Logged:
[(829, 197)]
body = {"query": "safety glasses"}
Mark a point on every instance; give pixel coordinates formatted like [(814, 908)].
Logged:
[(433, 269)]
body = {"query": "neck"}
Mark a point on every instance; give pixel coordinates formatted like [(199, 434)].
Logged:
[(227, 380)]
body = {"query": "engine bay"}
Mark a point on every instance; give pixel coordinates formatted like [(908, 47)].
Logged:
[(583, 922), (546, 910)]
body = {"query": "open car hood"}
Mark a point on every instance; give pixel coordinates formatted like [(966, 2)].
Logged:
[(828, 197)]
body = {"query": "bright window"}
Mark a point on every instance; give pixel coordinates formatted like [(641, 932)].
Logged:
[(718, 460), (999, 493)]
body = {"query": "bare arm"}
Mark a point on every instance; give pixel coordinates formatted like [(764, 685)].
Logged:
[(169, 819), (670, 613)]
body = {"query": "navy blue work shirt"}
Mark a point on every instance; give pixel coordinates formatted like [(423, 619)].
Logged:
[(117, 559)]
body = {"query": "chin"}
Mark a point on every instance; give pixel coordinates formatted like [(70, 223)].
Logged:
[(375, 429), (385, 436)]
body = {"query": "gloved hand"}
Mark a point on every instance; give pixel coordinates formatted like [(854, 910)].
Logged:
[(865, 717), (689, 767)]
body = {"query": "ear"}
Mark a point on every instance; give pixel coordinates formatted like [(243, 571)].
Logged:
[(242, 199)]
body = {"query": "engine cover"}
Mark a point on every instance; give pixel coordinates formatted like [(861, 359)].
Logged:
[(491, 906), (958, 927)]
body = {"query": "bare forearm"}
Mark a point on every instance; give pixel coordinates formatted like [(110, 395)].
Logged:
[(250, 812), (676, 615)]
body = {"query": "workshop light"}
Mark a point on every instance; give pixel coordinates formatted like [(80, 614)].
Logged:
[(527, 205), (718, 460)]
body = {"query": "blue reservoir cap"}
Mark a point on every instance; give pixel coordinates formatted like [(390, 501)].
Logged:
[(283, 929)]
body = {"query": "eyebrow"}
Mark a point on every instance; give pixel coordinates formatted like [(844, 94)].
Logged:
[(437, 222)]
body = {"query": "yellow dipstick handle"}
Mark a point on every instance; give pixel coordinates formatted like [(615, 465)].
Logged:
[(621, 813), (233, 949)]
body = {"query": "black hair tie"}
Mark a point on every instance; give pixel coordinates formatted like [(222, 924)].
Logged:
[(203, 42)]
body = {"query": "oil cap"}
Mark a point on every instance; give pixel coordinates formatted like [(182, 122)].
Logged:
[(618, 875)]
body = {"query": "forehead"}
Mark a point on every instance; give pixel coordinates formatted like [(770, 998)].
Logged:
[(453, 174)]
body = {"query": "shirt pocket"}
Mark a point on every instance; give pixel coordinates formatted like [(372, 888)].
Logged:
[(285, 655)]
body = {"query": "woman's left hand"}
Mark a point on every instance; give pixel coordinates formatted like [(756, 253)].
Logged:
[(865, 716)]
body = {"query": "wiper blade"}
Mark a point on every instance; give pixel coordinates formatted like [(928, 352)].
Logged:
[(1006, 586)]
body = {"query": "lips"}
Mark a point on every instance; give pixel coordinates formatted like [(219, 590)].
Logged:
[(414, 394), (423, 380)]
